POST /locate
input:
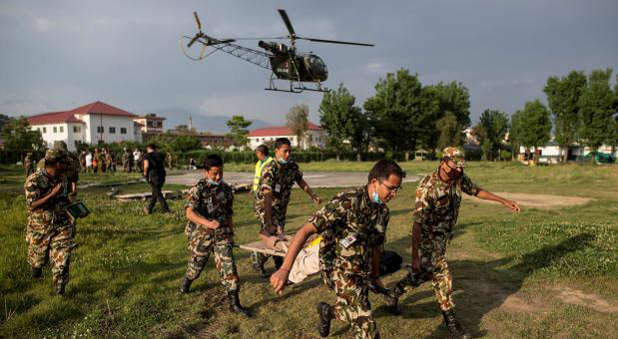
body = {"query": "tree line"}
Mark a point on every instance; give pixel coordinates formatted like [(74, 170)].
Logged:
[(404, 116)]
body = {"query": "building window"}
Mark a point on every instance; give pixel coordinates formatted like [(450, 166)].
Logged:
[(61, 129), (55, 129), (112, 130), (76, 129), (123, 130), (44, 129), (99, 129)]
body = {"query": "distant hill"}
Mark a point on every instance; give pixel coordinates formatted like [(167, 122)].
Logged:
[(202, 123)]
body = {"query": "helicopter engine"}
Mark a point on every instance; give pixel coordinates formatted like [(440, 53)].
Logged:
[(273, 47)]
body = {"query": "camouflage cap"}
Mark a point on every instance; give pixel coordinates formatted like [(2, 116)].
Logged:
[(453, 152), (60, 145), (54, 155)]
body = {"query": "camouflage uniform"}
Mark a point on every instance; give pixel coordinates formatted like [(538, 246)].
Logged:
[(109, 161), (351, 217), (49, 231), (436, 210), (213, 202), (28, 164), (279, 179), (125, 161)]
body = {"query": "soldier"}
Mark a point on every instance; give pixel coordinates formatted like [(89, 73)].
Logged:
[(49, 232), (125, 160), (109, 161), (353, 228), (130, 162), (154, 171), (28, 164), (82, 161), (98, 161), (209, 210), (261, 152), (168, 160), (435, 214), (273, 196), (71, 166)]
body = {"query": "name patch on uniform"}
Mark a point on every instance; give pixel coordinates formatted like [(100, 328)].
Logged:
[(277, 188), (348, 241)]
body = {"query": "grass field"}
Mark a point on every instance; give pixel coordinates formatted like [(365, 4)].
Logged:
[(540, 274)]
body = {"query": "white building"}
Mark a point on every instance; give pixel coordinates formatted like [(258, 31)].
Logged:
[(314, 136), (90, 124), (551, 153)]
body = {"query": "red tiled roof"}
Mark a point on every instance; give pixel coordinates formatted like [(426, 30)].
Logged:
[(99, 107), (279, 130), (53, 118)]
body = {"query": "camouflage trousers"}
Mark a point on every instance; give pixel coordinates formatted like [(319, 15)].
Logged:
[(55, 242), (434, 267), (352, 305), (258, 258), (201, 245)]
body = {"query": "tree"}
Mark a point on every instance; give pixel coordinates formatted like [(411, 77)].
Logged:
[(18, 136), (3, 120), (563, 96), (535, 126), (516, 131), (396, 112), (596, 106), (238, 130), (490, 131), (450, 131), (298, 123), (343, 122), (454, 98)]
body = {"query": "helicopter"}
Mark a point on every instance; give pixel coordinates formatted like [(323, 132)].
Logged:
[(303, 71)]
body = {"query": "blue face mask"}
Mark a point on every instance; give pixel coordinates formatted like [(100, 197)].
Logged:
[(282, 161), (215, 183), (376, 198)]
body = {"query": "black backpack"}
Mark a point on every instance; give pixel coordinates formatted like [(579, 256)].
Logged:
[(390, 262)]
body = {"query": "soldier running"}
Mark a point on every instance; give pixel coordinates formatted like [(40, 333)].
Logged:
[(353, 228), (209, 210), (435, 214), (273, 197), (50, 232)]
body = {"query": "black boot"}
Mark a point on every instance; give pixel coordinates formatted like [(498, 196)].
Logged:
[(392, 301), (186, 285), (235, 304), (260, 269), (325, 312), (36, 272), (457, 331), (60, 289)]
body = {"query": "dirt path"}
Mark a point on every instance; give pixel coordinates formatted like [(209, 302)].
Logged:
[(544, 201)]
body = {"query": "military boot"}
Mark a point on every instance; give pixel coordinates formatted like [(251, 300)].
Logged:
[(325, 311), (36, 272), (260, 269), (60, 289), (235, 304), (186, 285), (457, 331)]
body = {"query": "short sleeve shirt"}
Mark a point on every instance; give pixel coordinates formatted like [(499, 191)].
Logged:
[(436, 206), (350, 224), (279, 179), (213, 202)]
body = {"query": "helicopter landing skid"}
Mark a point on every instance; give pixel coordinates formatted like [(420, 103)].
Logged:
[(296, 87)]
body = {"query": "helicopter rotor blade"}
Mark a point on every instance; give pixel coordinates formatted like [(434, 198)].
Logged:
[(194, 39), (286, 20), (197, 21), (336, 42)]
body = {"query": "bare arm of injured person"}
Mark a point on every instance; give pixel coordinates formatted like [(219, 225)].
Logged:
[(279, 278)]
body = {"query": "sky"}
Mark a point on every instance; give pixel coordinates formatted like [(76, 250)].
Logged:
[(57, 55)]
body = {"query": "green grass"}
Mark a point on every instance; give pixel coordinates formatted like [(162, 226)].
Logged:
[(128, 267)]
